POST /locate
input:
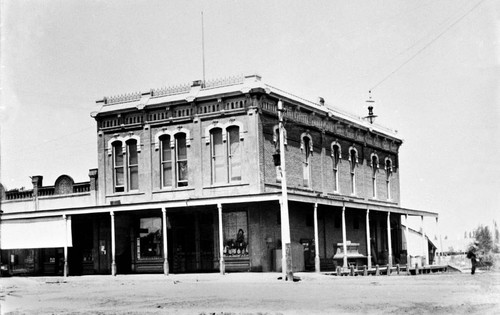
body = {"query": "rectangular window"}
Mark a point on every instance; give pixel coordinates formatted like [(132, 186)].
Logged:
[(388, 184), (166, 162), (133, 165), (119, 178), (234, 155), (150, 240), (181, 158), (235, 234)]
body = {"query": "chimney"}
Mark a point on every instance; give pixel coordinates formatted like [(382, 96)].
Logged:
[(197, 83), (321, 101), (93, 184), (37, 183)]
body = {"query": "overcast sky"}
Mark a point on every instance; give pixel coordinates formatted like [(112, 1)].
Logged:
[(432, 65)]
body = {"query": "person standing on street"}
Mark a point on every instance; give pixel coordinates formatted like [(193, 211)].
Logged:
[(471, 254)]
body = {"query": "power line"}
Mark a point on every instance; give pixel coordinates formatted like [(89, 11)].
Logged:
[(427, 45)]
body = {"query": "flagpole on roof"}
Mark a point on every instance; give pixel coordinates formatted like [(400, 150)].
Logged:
[(203, 47)]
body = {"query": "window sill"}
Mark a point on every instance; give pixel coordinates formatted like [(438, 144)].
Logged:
[(159, 191), (388, 201), (129, 193), (225, 185)]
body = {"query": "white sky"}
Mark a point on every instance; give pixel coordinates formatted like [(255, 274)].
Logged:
[(59, 57)]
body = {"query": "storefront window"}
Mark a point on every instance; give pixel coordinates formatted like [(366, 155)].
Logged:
[(235, 234), (149, 242)]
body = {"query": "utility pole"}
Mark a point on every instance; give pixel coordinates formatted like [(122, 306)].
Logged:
[(286, 247)]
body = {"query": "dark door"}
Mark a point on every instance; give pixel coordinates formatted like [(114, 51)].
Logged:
[(192, 242), (103, 244)]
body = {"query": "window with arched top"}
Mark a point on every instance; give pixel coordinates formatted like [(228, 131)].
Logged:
[(276, 137), (353, 161), (388, 172), (166, 161), (173, 160), (374, 165), (181, 160), (226, 152), (218, 156), (234, 153), (125, 160), (336, 156), (307, 149), (118, 172), (132, 165)]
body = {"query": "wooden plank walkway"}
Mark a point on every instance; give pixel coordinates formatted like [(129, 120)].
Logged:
[(382, 270)]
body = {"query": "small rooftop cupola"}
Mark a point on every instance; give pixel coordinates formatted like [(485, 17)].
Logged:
[(371, 117)]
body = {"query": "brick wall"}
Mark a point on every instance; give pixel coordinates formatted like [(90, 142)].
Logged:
[(321, 163)]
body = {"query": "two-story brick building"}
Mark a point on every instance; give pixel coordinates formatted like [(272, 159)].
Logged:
[(187, 182)]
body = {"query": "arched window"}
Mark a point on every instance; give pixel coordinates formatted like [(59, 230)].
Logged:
[(225, 149), (181, 160), (218, 156), (353, 160), (132, 165), (388, 172), (374, 164), (307, 146), (173, 160), (125, 161), (234, 153), (276, 137), (118, 174), (166, 161), (336, 156)]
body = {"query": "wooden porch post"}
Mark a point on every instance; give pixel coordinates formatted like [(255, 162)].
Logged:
[(389, 242), (440, 251), (344, 236), (440, 243), (66, 246), (113, 247), (222, 266), (368, 238), (316, 240), (408, 258), (165, 244), (424, 242)]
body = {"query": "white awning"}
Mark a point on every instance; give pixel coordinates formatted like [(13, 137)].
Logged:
[(36, 233)]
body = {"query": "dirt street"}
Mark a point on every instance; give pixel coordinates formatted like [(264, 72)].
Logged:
[(252, 293)]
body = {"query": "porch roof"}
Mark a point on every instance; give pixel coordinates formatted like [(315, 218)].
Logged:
[(214, 201)]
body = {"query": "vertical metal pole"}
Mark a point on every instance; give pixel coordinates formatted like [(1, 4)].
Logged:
[(389, 243), (165, 244), (222, 266), (407, 235), (113, 248), (65, 246), (368, 239), (316, 240), (344, 236), (286, 258)]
